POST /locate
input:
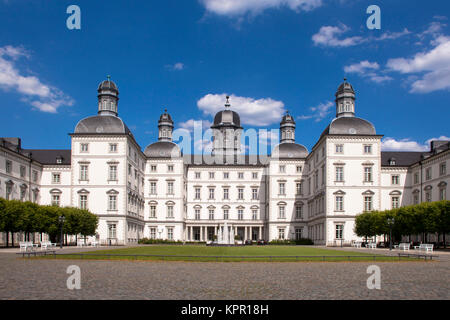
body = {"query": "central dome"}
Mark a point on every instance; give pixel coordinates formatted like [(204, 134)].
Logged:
[(227, 118)]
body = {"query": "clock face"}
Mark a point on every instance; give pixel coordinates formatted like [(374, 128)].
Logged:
[(352, 131), (99, 129)]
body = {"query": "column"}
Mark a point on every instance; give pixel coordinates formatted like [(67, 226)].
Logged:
[(245, 233), (259, 233)]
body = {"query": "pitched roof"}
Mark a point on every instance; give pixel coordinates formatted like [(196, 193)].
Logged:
[(50, 156), (402, 158)]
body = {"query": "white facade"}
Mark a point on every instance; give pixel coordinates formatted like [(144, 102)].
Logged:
[(160, 193)]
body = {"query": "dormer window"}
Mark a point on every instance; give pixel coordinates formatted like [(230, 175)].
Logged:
[(59, 160), (392, 162)]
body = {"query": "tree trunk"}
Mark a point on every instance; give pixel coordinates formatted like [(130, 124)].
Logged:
[(443, 236), (7, 239), (12, 239)]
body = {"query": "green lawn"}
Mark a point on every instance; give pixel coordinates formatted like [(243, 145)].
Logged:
[(229, 254)]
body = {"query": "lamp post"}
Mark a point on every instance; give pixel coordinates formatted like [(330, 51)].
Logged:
[(390, 222), (61, 222)]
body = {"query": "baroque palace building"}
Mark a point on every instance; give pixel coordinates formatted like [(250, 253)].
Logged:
[(162, 193)]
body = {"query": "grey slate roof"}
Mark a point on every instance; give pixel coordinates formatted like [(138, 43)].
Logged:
[(50, 156), (162, 149), (402, 159), (227, 118), (102, 124), (349, 125), (289, 151)]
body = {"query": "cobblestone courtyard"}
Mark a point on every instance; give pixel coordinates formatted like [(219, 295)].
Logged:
[(46, 279)]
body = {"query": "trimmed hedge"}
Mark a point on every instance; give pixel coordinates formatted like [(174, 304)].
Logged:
[(301, 242)]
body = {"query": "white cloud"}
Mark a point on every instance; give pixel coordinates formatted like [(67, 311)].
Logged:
[(204, 145), (191, 124), (361, 67), (268, 137), (435, 63), (434, 30), (393, 35), (391, 144), (329, 36), (242, 7), (319, 113), (254, 112), (176, 66), (49, 99), (367, 69)]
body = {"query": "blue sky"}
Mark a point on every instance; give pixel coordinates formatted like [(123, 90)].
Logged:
[(270, 56)]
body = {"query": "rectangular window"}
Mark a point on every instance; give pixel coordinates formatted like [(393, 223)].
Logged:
[(416, 199), (241, 194), (197, 214), (339, 203), (152, 211), (282, 169), (170, 233), (112, 231), (428, 174), (367, 203), (299, 188), (83, 201), (255, 214), (240, 214), (368, 174), (169, 212), (152, 233), (395, 202), (35, 176), (299, 212), (226, 213), (170, 168), (211, 193), (56, 178), (339, 231), (22, 171), (112, 203), (395, 179), (197, 193), (8, 166), (254, 194), (153, 188), (281, 234), (112, 173), (339, 148), (416, 178), (113, 147), (170, 188), (298, 233), (443, 169), (153, 168), (368, 149), (299, 169), (226, 194), (197, 175), (255, 175), (281, 212), (83, 172), (211, 175), (56, 200), (428, 197), (339, 174), (84, 147), (8, 191), (240, 175), (282, 188), (211, 214), (226, 175), (442, 194)]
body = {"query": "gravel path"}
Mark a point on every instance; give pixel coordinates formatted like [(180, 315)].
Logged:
[(46, 279)]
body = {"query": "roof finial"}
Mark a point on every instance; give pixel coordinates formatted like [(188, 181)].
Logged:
[(165, 110), (345, 79), (108, 77), (227, 104)]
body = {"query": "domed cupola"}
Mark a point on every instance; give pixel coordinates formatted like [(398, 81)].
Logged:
[(227, 132), (345, 100), (287, 128), (108, 98), (165, 126)]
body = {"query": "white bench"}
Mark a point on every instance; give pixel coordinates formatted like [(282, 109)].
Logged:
[(424, 247), (45, 245), (372, 245), (404, 246), (81, 243), (27, 246), (94, 244), (357, 244)]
